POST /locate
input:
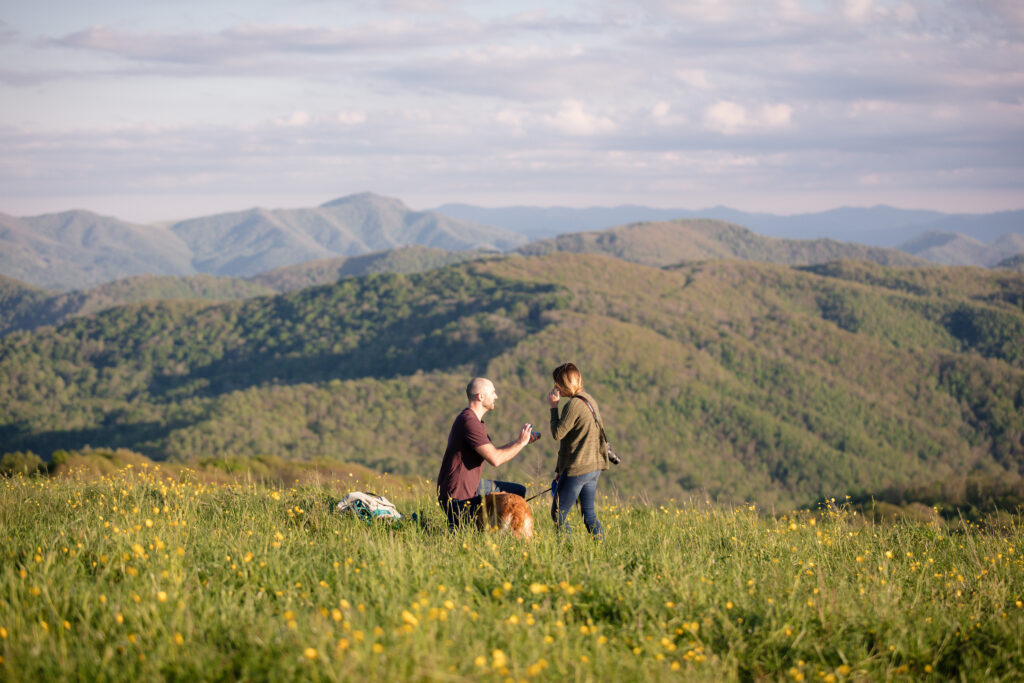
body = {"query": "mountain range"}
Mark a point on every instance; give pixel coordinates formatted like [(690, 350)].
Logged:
[(78, 249), (883, 226), (23, 306)]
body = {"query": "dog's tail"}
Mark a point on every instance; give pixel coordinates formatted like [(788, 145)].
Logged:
[(527, 531)]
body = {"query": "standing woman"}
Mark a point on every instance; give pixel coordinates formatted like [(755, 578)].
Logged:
[(580, 456)]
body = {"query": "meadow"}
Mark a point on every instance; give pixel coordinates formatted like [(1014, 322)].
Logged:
[(143, 575)]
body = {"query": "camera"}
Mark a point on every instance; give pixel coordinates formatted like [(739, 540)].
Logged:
[(612, 456)]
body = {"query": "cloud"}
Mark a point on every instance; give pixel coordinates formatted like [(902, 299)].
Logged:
[(664, 116), (351, 118), (572, 120), (7, 33), (162, 47), (694, 78), (730, 118), (776, 115), (447, 152), (32, 77), (1008, 12), (858, 10), (296, 119), (473, 97), (726, 117), (512, 121), (863, 108), (250, 40), (388, 36), (701, 11)]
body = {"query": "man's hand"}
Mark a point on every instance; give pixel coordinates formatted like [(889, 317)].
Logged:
[(498, 456), (553, 397), (526, 434)]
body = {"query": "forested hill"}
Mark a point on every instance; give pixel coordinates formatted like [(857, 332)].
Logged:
[(664, 243), (410, 259), (744, 380), (23, 306), (1013, 263)]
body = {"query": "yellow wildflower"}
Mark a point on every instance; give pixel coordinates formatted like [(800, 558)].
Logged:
[(537, 667)]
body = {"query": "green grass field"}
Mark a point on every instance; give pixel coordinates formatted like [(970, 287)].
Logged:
[(142, 576)]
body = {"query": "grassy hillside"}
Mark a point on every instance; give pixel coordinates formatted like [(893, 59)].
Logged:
[(140, 575), (744, 381), (669, 242)]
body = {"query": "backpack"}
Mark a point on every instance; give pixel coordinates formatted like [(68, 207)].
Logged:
[(368, 506)]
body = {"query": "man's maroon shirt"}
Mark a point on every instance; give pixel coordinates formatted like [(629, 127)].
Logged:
[(459, 477)]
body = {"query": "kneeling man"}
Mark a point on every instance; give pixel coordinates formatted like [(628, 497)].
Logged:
[(459, 486)]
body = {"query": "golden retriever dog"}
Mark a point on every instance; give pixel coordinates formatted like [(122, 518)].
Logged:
[(505, 512)]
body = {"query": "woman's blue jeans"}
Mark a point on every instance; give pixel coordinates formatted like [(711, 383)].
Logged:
[(572, 489)]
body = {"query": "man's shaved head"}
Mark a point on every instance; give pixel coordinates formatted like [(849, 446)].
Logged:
[(478, 385)]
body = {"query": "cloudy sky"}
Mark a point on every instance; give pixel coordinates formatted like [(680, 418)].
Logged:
[(152, 110)]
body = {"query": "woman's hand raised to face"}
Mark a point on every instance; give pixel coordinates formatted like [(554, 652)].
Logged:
[(553, 397)]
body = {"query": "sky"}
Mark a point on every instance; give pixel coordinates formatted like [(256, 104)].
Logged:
[(150, 110)]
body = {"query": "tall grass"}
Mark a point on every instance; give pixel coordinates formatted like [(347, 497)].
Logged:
[(141, 576)]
